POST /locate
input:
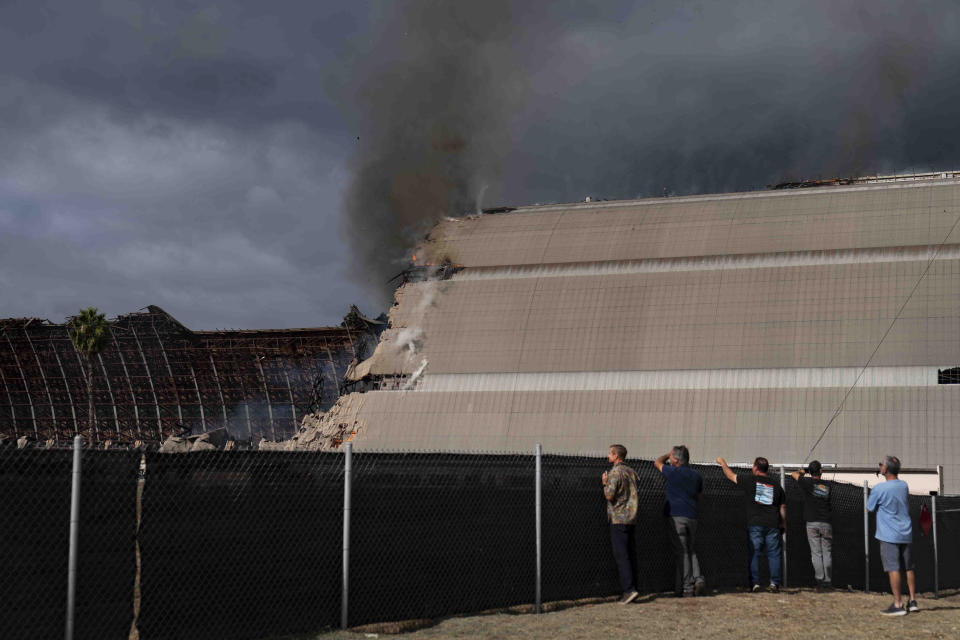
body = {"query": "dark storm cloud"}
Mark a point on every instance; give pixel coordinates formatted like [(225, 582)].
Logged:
[(717, 97), (212, 157), (178, 155), (556, 102)]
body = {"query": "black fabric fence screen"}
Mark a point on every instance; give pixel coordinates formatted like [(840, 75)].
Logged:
[(246, 544), (948, 533), (435, 534), (34, 542), (240, 544)]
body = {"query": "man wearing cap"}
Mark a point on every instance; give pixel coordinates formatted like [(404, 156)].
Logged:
[(817, 514), (620, 488), (890, 500)]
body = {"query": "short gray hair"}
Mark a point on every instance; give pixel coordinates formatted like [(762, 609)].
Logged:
[(682, 454), (892, 463)]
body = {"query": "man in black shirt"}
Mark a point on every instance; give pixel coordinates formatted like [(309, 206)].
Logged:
[(766, 515), (816, 513)]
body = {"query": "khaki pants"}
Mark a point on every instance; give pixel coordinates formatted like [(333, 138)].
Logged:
[(820, 537)]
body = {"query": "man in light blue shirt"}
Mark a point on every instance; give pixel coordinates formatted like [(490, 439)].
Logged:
[(890, 500)]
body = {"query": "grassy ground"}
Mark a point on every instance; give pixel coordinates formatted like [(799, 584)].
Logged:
[(789, 614)]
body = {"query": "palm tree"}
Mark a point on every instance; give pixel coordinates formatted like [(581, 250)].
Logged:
[(90, 332)]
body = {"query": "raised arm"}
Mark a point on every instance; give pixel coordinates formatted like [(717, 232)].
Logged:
[(659, 462), (727, 471), (796, 475)]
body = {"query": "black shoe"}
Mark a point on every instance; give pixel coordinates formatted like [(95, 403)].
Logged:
[(699, 588), (894, 610), (629, 596), (773, 588), (756, 588), (913, 606)]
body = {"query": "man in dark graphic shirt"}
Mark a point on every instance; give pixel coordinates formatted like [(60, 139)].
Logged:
[(816, 512), (766, 515)]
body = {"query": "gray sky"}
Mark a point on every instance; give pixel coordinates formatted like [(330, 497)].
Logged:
[(251, 164)]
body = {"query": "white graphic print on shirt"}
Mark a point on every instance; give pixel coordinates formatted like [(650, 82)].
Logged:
[(821, 491), (764, 494)]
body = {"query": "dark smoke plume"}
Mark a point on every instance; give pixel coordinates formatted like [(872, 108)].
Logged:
[(527, 102), (434, 104)]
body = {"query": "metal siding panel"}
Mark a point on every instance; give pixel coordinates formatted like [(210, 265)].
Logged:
[(730, 224)]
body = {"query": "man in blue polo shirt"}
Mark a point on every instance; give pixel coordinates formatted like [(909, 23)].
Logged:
[(684, 489), (890, 499)]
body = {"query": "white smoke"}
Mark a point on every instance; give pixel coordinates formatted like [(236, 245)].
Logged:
[(409, 340), (428, 294), (412, 381)]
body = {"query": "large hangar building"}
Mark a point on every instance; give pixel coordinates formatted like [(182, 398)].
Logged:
[(738, 324)]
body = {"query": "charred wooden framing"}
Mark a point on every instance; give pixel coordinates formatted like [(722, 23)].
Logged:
[(158, 378)]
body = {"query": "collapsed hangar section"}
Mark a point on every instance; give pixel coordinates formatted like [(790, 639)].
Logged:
[(157, 378), (735, 323)]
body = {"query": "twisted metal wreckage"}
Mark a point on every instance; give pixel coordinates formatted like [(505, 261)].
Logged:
[(158, 381)]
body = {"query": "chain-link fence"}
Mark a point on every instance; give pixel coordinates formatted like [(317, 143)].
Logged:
[(434, 534), (247, 544), (948, 532), (35, 496), (240, 544), (848, 558)]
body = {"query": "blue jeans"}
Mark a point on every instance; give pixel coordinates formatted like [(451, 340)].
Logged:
[(764, 538)]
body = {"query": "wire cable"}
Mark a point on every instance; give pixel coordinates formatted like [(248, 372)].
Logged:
[(885, 334)]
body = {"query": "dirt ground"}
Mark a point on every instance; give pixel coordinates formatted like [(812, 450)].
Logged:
[(789, 614)]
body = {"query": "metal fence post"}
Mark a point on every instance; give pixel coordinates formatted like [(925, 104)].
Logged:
[(347, 477), (866, 539), (74, 537), (539, 508), (936, 553), (783, 485)]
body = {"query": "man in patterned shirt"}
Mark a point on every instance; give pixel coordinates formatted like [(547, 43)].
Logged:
[(620, 490)]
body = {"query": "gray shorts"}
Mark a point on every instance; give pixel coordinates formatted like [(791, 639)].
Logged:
[(892, 554)]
